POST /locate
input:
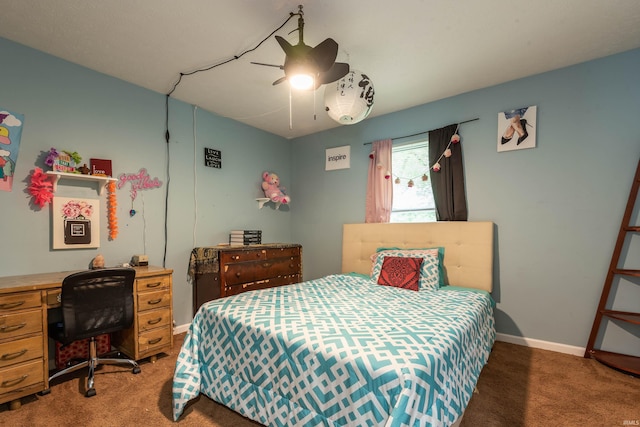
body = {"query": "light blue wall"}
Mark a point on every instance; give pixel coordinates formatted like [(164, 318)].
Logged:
[(557, 208), (70, 107)]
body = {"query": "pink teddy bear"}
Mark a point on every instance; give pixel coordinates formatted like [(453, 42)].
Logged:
[(272, 189)]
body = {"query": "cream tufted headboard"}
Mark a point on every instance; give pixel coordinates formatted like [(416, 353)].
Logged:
[(468, 254)]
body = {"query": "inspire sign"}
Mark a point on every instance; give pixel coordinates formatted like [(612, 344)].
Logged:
[(338, 158)]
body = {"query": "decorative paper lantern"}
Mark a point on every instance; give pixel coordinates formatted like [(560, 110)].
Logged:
[(447, 152), (350, 99)]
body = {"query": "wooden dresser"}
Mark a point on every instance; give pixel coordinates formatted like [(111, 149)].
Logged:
[(24, 301), (221, 271)]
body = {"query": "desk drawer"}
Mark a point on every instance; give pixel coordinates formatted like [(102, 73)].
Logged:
[(20, 323), (21, 376), (154, 319), (153, 300), (20, 301), (152, 283), (19, 351), (154, 340)]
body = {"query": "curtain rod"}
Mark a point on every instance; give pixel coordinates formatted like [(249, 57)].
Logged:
[(426, 131)]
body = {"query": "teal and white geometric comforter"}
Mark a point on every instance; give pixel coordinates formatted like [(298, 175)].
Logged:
[(337, 351)]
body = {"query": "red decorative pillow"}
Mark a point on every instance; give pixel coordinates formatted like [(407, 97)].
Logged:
[(400, 272)]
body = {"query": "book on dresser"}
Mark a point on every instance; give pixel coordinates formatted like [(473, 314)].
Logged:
[(245, 237)]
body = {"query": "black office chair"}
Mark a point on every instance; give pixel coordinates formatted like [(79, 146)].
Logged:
[(95, 302)]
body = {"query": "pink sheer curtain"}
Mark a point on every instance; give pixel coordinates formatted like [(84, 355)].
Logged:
[(379, 183)]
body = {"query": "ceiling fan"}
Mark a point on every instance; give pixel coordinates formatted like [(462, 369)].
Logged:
[(305, 66)]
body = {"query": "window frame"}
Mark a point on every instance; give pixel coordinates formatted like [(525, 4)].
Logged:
[(418, 143)]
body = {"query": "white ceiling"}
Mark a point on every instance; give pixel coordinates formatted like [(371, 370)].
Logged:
[(414, 51)]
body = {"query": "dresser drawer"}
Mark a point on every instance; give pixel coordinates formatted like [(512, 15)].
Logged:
[(152, 341), (257, 254), (282, 252), (154, 319), (242, 255), (19, 351), (270, 283), (21, 376), (244, 272), (20, 301), (153, 300), (152, 283), (20, 323)]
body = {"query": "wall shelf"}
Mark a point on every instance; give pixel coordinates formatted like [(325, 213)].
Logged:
[(262, 200), (101, 181)]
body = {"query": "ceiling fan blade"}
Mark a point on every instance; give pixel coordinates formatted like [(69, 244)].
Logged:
[(336, 72), (286, 46), (280, 80), (269, 65), (324, 54)]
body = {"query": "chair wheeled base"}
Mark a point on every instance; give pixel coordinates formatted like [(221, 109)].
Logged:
[(92, 363)]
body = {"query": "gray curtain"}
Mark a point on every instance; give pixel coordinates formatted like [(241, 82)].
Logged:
[(447, 184)]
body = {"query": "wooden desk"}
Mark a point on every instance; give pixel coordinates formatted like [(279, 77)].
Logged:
[(24, 300)]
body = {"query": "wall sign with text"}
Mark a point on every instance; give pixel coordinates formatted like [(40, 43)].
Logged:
[(338, 158), (212, 158)]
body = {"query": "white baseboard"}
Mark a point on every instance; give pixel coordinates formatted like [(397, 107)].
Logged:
[(180, 329), (544, 345)]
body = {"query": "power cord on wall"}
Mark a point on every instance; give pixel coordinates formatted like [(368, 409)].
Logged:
[(195, 176), (167, 134)]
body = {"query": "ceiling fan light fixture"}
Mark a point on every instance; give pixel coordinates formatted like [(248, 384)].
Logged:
[(302, 81)]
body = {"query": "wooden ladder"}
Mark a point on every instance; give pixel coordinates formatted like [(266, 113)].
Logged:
[(623, 362)]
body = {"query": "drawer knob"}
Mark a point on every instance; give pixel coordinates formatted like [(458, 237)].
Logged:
[(10, 383), (154, 321), (11, 328), (238, 274), (266, 264), (154, 301), (155, 341), (11, 356), (153, 285), (10, 305)]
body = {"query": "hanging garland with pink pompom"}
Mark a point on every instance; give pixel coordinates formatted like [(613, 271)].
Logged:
[(436, 167), (455, 139)]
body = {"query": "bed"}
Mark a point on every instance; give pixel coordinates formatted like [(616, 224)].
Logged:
[(344, 350)]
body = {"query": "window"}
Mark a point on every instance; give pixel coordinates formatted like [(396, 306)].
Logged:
[(412, 204)]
